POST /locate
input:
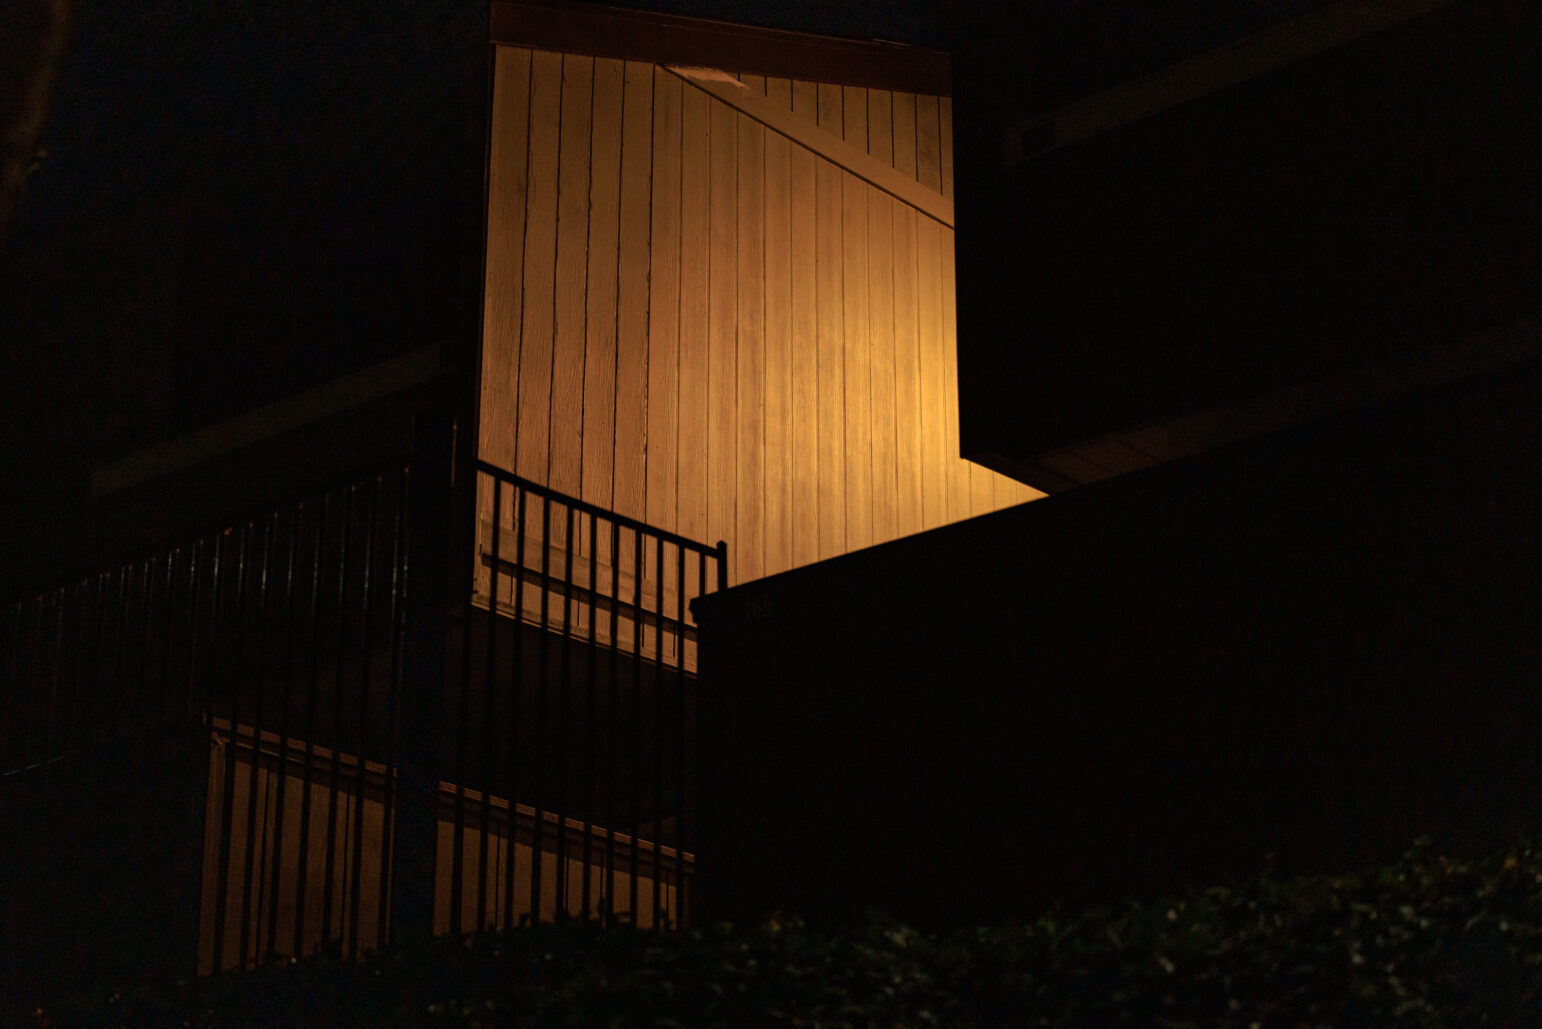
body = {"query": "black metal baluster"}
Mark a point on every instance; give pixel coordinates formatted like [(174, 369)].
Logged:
[(228, 799), (658, 740), (303, 860), (682, 793), (399, 557), (544, 665), (590, 712), (63, 696), (327, 891), (163, 717), (487, 695), (212, 669), (297, 524), (634, 782), (141, 700), (613, 692), (462, 745), (367, 600), (564, 700), (515, 692), (261, 665), (82, 713), (196, 573)]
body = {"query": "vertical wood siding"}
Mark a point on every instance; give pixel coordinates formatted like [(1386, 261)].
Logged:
[(694, 321)]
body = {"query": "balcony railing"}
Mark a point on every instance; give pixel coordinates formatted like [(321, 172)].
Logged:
[(577, 694), (563, 742)]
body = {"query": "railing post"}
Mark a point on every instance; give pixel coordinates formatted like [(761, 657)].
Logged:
[(431, 537)]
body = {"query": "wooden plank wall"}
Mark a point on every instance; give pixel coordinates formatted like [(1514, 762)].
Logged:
[(696, 322)]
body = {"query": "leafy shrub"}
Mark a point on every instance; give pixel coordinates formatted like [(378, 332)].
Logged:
[(1429, 941)]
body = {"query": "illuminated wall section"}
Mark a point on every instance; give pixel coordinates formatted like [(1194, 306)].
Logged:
[(707, 321)]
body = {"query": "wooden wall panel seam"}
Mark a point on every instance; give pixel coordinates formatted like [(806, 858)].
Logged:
[(831, 340), (665, 194), (535, 354), (750, 349), (602, 284), (646, 353), (778, 378), (634, 290), (695, 186), (722, 320), (565, 452), (802, 244)]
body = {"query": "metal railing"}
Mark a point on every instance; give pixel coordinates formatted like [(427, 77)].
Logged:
[(575, 779), (302, 727), (269, 657), (276, 640)]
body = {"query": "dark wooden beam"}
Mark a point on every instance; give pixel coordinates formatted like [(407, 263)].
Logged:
[(670, 39)]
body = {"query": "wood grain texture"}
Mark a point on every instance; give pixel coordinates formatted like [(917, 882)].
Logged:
[(805, 99), (928, 143), (695, 210), (806, 448), (508, 174), (961, 495), (538, 314), (633, 297), (880, 360), (843, 139), (858, 403), (599, 411), (854, 317), (664, 306), (854, 116), (828, 262), (749, 539), (928, 160), (567, 384), (903, 116), (693, 319), (907, 376), (945, 144), (880, 285), (880, 126), (935, 457), (777, 379), (722, 321)]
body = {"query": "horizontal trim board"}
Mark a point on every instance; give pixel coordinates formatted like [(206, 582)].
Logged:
[(599, 31), (297, 753), (1247, 58), (819, 141), (292, 412), (587, 596), (1184, 435)]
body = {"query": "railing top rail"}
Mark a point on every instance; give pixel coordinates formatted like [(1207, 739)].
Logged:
[(503, 475), (134, 555)]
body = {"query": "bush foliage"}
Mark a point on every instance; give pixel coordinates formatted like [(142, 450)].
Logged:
[(1429, 941)]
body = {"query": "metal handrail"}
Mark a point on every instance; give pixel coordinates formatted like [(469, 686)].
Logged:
[(503, 475)]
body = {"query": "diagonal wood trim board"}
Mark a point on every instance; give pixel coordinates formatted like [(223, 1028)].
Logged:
[(819, 141)]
